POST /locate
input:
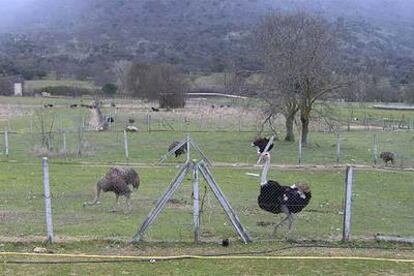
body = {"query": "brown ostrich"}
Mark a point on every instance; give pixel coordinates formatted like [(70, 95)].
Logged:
[(117, 180)]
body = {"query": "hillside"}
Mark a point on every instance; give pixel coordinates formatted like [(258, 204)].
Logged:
[(82, 38)]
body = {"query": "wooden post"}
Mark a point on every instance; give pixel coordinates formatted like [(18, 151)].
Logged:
[(48, 204), (348, 204), (338, 147), (375, 149), (196, 204), (6, 142), (126, 145)]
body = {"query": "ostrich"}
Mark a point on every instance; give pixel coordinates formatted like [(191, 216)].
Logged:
[(179, 151), (261, 143), (275, 198), (387, 156), (116, 180)]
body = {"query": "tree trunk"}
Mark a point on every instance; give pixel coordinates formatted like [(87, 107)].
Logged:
[(290, 136), (304, 118)]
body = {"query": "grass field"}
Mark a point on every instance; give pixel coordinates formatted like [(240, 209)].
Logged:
[(382, 197)]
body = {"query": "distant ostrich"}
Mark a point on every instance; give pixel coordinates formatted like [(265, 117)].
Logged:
[(155, 109), (261, 143), (116, 180), (73, 105), (388, 156), (275, 198), (180, 150)]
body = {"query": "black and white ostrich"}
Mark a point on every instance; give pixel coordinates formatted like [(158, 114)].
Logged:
[(261, 143), (275, 198), (117, 180), (180, 150), (388, 156)]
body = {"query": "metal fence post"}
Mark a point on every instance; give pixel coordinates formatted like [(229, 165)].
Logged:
[(126, 145), (347, 204), (64, 141), (338, 147), (48, 203), (300, 148), (196, 204), (375, 149), (6, 142)]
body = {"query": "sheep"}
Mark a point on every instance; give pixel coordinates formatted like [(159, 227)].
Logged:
[(179, 151), (155, 109), (47, 105), (116, 180), (275, 198), (260, 144), (131, 129), (387, 156), (73, 105)]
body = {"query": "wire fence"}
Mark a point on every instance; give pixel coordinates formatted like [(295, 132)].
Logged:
[(381, 203)]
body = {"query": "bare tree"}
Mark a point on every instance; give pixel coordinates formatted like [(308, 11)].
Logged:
[(297, 51), (162, 82), (121, 70)]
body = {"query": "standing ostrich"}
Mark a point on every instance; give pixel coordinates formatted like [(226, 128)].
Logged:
[(275, 198), (387, 156), (261, 143), (116, 180), (180, 150)]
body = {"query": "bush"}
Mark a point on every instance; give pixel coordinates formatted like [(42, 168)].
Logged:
[(109, 89), (172, 100), (66, 91)]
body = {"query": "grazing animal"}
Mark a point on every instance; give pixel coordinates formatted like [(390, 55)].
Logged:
[(180, 150), (225, 242), (131, 129), (275, 198), (155, 109), (113, 104), (261, 143), (47, 105), (131, 121), (388, 156), (109, 119), (73, 105), (117, 180)]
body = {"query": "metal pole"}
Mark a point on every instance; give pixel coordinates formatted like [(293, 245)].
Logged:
[(64, 141), (126, 145), (300, 148), (188, 147), (196, 204), (148, 122), (6, 142), (338, 147), (48, 204), (375, 149), (348, 204)]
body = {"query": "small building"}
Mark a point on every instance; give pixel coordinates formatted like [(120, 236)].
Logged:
[(11, 85)]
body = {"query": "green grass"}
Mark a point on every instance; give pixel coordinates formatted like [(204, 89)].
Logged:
[(217, 267), (32, 85)]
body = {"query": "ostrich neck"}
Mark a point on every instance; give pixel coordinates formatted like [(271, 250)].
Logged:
[(263, 178)]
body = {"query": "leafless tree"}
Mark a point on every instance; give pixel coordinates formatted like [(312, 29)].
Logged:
[(162, 82), (297, 51), (121, 69)]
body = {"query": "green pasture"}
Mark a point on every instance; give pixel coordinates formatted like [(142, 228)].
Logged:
[(382, 204)]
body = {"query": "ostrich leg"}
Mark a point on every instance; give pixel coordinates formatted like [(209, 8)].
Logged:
[(288, 217), (116, 203)]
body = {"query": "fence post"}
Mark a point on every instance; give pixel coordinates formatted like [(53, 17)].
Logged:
[(148, 122), (348, 204), (48, 203), (338, 147), (196, 204), (375, 149), (6, 142), (64, 141), (300, 148), (126, 145)]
